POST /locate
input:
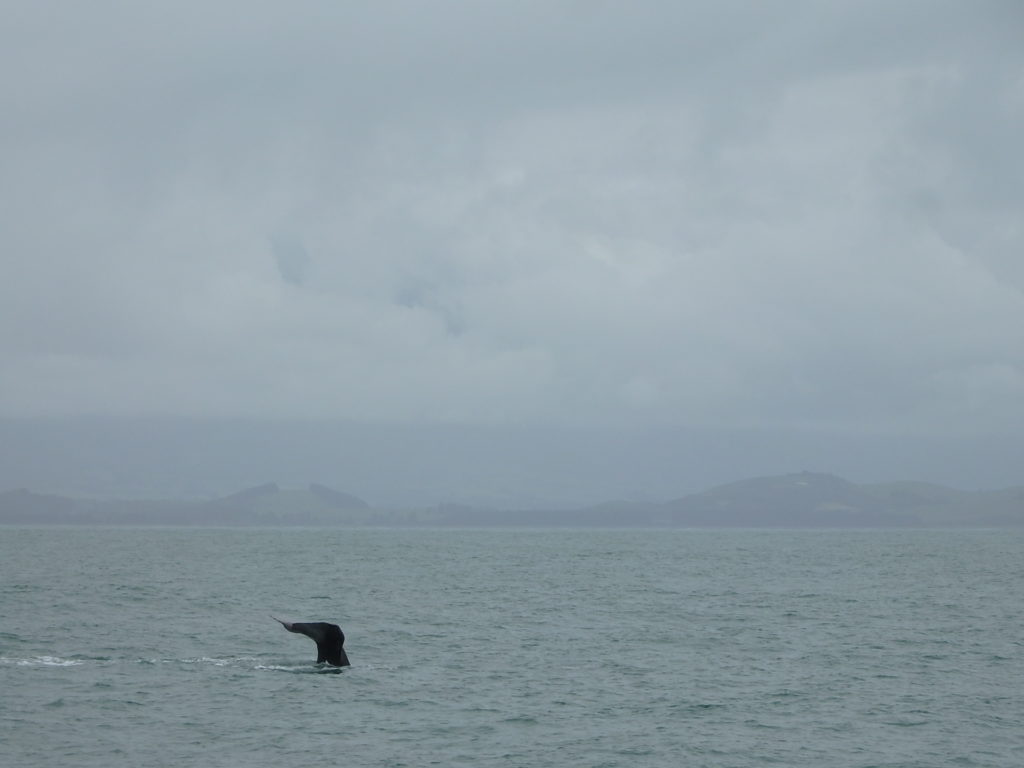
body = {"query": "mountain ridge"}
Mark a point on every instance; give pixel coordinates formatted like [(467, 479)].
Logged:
[(800, 500)]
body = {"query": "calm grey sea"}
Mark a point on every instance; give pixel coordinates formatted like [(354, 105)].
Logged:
[(155, 647)]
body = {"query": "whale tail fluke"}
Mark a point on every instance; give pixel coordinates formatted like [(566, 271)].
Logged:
[(329, 639)]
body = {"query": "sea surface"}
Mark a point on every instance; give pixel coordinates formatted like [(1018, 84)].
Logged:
[(155, 647)]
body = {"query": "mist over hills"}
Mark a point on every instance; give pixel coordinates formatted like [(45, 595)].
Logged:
[(267, 504), (804, 500), (185, 472), (500, 467)]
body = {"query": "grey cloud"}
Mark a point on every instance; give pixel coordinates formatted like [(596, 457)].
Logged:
[(291, 258), (659, 213)]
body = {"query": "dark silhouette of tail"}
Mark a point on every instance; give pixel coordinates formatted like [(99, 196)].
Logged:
[(329, 638)]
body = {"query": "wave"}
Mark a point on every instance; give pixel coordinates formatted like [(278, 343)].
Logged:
[(238, 662), (249, 662), (217, 661), (40, 661)]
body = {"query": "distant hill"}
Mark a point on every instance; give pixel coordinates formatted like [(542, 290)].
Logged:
[(266, 504), (271, 505), (803, 500), (818, 500)]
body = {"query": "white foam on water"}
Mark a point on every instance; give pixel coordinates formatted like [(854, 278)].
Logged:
[(40, 661), (217, 662)]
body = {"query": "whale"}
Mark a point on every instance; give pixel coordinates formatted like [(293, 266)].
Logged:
[(329, 639)]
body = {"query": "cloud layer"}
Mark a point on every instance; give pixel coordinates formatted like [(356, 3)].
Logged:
[(530, 213)]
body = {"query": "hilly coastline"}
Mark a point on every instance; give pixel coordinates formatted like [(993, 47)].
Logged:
[(803, 500)]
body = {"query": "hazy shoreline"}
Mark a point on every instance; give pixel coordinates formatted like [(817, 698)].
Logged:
[(804, 500)]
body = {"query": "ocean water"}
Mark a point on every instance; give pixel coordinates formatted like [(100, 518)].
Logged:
[(155, 647)]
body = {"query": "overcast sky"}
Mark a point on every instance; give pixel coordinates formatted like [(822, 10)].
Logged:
[(579, 213)]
